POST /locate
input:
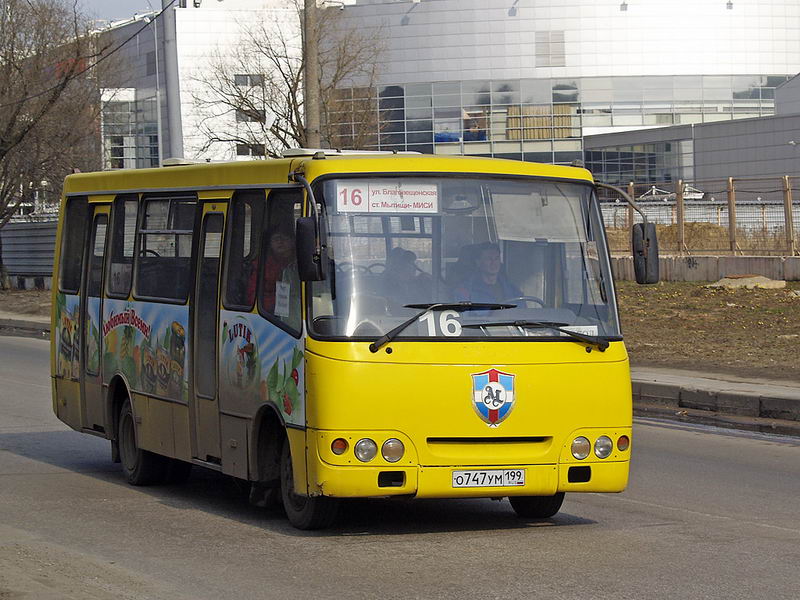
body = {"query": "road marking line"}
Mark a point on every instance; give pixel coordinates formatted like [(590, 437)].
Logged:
[(702, 514), (25, 383)]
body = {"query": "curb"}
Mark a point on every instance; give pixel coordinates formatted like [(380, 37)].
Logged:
[(774, 413), (25, 328)]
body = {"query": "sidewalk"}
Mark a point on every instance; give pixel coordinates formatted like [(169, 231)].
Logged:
[(752, 403), (27, 325), (727, 400)]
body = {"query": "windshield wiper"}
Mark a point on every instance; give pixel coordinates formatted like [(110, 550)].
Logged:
[(390, 335), (592, 340)]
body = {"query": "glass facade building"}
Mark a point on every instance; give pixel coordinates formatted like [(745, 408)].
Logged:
[(530, 79)]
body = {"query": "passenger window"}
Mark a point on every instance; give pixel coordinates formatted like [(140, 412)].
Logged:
[(280, 281), (123, 235), (72, 245), (243, 245), (165, 248), (95, 282)]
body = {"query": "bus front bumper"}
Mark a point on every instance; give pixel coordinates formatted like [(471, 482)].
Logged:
[(437, 482)]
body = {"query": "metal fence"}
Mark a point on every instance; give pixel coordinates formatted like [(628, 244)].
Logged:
[(743, 216), (28, 248)]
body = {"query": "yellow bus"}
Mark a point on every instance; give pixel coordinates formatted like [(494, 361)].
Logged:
[(331, 325)]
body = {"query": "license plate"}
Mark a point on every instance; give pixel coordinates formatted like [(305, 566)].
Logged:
[(490, 478)]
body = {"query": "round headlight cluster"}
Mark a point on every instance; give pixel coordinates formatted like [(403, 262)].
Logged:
[(392, 450), (603, 446), (581, 447), (366, 449)]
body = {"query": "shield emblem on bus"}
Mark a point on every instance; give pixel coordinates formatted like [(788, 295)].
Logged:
[(493, 395)]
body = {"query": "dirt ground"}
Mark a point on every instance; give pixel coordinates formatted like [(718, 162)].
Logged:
[(753, 333), (25, 302)]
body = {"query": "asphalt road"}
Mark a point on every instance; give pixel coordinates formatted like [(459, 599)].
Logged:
[(708, 514)]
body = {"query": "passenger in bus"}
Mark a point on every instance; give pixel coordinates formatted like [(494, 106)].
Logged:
[(277, 266), (279, 256), (403, 283), (488, 283)]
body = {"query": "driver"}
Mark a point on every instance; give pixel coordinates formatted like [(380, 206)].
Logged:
[(487, 283), (402, 283)]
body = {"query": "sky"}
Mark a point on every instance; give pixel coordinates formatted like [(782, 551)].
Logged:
[(114, 10)]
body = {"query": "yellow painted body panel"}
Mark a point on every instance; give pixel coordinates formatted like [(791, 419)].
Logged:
[(421, 393)]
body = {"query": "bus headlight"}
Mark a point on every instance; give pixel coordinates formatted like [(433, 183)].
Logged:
[(603, 446), (392, 450), (365, 450), (581, 447)]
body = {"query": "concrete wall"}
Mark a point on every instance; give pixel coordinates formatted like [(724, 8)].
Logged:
[(714, 268)]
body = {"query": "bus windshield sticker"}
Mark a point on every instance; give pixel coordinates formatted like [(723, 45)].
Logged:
[(528, 217), (385, 196), (282, 304)]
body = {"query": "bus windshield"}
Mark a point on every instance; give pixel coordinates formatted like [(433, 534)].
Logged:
[(395, 241)]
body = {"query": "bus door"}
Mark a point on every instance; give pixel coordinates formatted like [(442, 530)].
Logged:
[(91, 309), (205, 400)]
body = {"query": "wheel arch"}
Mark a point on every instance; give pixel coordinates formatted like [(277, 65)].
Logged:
[(266, 441), (118, 392)]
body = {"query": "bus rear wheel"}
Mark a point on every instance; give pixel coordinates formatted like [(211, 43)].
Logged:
[(139, 466), (304, 512), (536, 507)]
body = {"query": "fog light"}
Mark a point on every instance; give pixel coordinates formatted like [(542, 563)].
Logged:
[(366, 450), (603, 446), (392, 450), (623, 443), (339, 446), (581, 447)]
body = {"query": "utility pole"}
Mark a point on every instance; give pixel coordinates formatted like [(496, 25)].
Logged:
[(311, 62)]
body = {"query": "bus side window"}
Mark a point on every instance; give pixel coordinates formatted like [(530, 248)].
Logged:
[(163, 268), (243, 245), (123, 234), (279, 292), (74, 236)]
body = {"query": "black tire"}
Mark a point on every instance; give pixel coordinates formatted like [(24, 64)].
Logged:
[(139, 466), (536, 507), (265, 496), (304, 512)]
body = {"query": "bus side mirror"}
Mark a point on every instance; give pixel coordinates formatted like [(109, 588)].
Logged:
[(645, 253), (309, 261)]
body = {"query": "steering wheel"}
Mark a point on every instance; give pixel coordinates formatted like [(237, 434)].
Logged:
[(539, 301), (149, 251), (347, 267), (375, 266)]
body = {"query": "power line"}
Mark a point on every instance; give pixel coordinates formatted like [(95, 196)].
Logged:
[(93, 65)]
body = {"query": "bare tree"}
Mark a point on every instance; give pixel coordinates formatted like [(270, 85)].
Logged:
[(48, 99), (253, 97)]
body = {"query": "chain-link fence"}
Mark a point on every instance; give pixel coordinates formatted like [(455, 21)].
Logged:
[(754, 216)]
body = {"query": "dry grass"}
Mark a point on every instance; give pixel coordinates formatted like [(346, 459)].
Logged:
[(687, 325)]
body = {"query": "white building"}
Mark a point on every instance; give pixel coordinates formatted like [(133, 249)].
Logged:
[(523, 79), (162, 104)]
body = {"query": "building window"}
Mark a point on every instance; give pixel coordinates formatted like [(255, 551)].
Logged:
[(250, 115), (250, 150), (248, 80), (550, 50), (150, 63)]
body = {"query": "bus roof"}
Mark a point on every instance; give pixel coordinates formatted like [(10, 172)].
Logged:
[(276, 171)]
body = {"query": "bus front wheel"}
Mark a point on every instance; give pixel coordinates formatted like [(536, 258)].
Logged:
[(139, 466), (536, 507), (304, 512)]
